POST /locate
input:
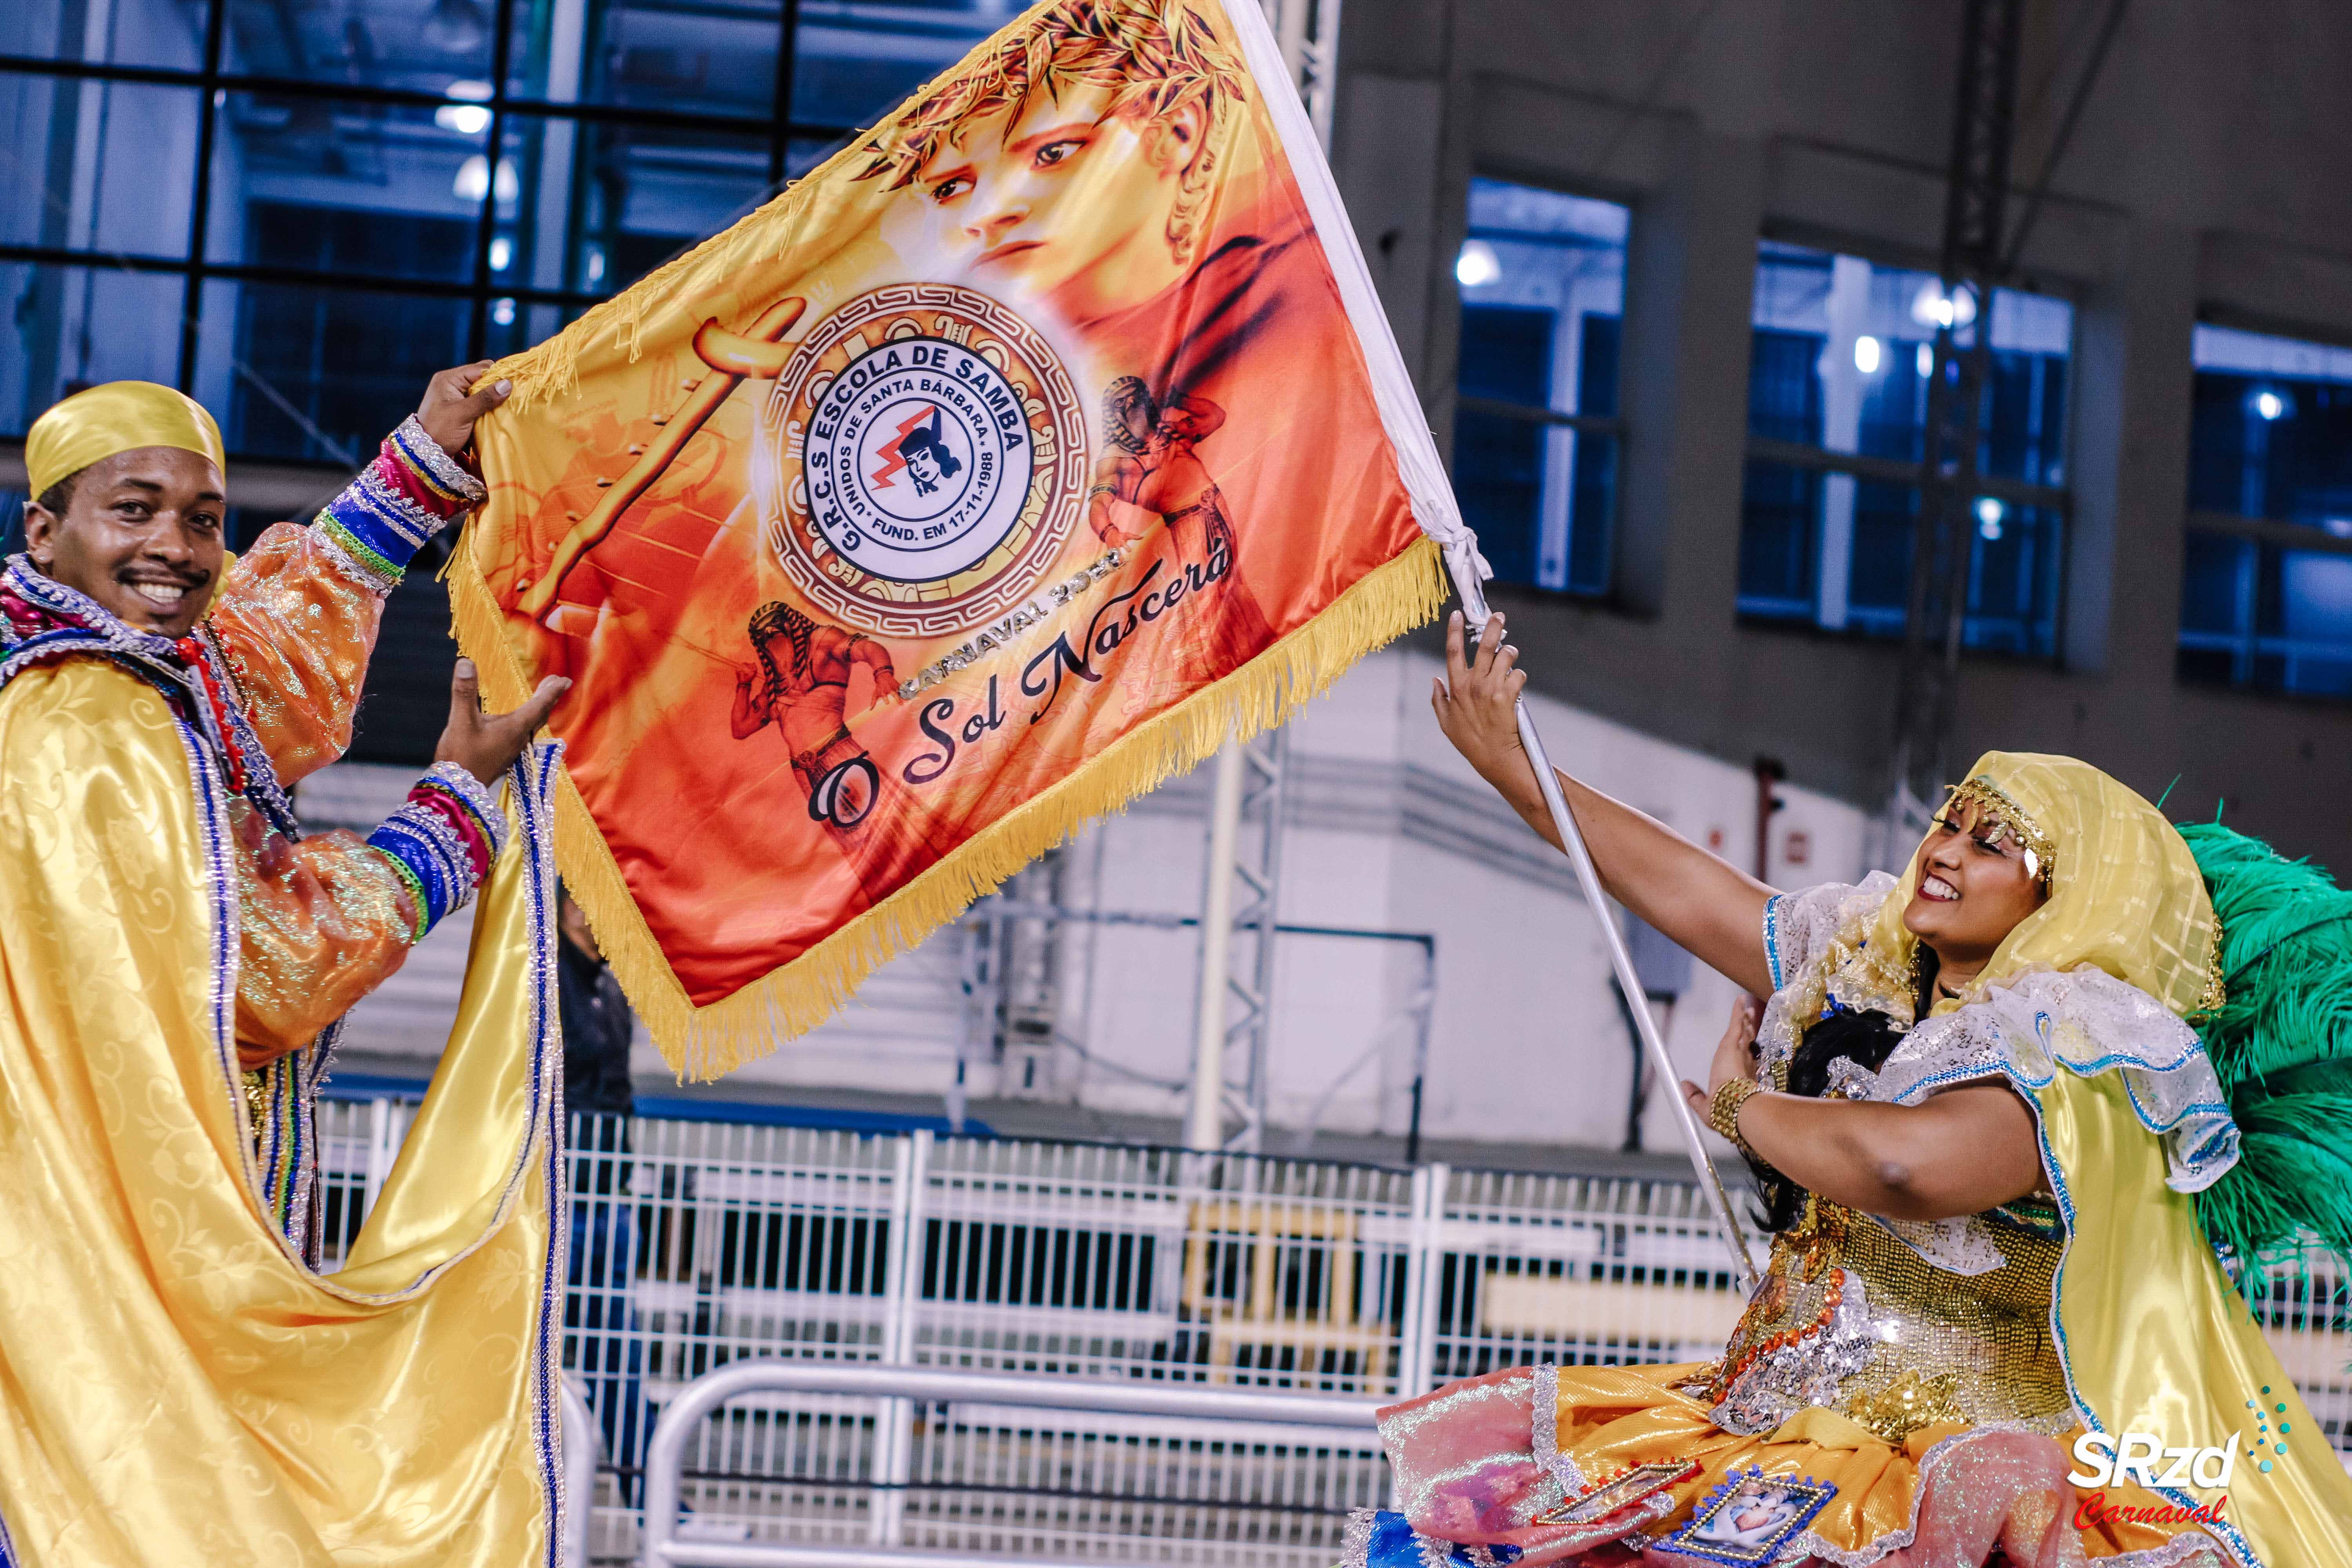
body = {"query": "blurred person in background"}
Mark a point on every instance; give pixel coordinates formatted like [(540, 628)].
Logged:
[(597, 1023)]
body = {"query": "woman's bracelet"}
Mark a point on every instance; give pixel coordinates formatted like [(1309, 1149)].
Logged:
[(1723, 1110)]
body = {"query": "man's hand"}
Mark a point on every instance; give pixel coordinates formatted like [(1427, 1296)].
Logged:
[(486, 744), (449, 408)]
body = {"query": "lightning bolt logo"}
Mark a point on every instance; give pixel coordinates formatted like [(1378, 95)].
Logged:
[(881, 476)]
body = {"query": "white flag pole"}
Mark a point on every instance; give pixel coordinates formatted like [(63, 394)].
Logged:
[(1433, 508), (1637, 1002)]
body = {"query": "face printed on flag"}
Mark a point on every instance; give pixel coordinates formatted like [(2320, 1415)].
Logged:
[(954, 496)]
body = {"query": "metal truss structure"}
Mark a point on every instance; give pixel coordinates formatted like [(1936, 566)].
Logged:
[(1984, 131)]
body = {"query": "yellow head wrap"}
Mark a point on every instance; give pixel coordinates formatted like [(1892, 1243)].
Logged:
[(119, 417), (2125, 895)]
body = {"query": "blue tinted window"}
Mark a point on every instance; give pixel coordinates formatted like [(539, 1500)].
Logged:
[(1542, 278), (2270, 438), (1840, 365)]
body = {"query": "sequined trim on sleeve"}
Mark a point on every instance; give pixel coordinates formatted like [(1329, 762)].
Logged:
[(426, 455), (1544, 1420), (2088, 1021), (441, 842), (478, 797), (411, 491)]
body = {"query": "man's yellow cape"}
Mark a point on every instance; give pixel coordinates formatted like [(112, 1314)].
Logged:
[(177, 1386)]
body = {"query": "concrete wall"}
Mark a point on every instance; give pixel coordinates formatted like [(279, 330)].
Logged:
[(2209, 179)]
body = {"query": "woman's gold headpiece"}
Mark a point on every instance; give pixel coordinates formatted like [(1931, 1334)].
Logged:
[(1994, 805)]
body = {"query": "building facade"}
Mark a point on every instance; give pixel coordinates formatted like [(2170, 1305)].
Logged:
[(2163, 575)]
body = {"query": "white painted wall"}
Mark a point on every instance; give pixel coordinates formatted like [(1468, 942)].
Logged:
[(1389, 828)]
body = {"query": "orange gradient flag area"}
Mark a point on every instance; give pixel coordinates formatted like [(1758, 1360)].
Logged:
[(996, 471)]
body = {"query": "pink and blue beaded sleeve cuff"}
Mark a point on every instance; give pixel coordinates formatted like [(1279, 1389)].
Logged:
[(441, 842), (411, 491)]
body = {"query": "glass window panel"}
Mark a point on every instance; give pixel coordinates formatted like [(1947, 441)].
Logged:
[(320, 373), (72, 327), (2217, 591), (2271, 435), (1780, 526), (1519, 483), (588, 207), (1878, 578), (1549, 265), (167, 33), (1499, 468), (2269, 618), (1784, 386), (339, 188), (1835, 550), (98, 167), (2013, 580), (853, 61), (1844, 354), (1542, 276), (1842, 359), (696, 56), (421, 45)]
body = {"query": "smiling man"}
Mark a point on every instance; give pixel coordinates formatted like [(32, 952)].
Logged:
[(178, 1381)]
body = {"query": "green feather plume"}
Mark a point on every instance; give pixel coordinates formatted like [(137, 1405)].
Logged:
[(2282, 1043)]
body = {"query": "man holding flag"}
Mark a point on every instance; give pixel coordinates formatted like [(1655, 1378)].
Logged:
[(179, 1380)]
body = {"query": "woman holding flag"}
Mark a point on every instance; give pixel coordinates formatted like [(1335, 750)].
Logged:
[(2013, 1205)]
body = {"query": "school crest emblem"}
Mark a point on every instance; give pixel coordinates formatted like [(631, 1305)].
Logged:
[(929, 462)]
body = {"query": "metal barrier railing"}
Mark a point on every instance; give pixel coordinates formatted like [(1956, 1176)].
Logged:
[(583, 1455), (696, 1425), (697, 1245)]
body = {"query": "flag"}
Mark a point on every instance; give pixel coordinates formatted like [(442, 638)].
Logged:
[(1003, 467)]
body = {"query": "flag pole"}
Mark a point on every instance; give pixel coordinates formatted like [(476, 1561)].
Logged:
[(1465, 567), (1636, 1001)]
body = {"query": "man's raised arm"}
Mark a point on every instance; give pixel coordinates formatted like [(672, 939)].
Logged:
[(297, 615)]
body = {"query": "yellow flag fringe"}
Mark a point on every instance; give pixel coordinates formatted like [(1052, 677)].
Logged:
[(703, 1043)]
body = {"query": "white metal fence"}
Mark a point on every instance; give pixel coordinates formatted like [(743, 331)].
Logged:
[(695, 1245)]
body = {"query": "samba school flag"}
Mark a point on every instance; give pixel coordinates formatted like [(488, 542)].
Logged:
[(996, 471)]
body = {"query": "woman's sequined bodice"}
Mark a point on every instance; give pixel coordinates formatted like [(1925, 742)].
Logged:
[(1852, 1318)]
